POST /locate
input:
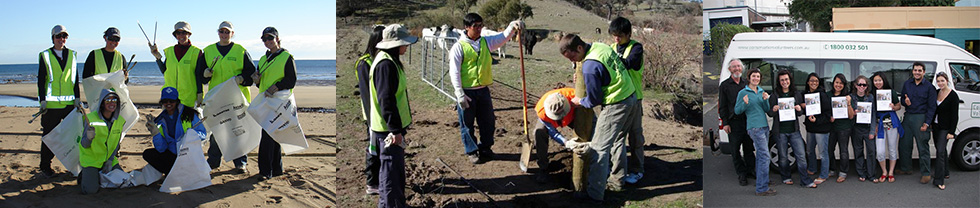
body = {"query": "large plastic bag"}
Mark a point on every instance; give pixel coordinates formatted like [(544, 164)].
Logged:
[(226, 117), (191, 170), (116, 81), (277, 116), (63, 141), (117, 178)]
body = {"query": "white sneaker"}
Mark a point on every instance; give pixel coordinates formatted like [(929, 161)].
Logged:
[(371, 190), (633, 178)]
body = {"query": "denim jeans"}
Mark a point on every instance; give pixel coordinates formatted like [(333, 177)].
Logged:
[(817, 139), (794, 140), (760, 140)]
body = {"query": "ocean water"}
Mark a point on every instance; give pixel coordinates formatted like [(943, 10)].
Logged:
[(308, 73)]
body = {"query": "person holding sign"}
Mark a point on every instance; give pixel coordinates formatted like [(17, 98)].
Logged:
[(818, 126), (888, 130), (918, 96), (100, 142), (862, 137), (752, 103), (171, 125), (944, 126), (840, 135), (787, 130)]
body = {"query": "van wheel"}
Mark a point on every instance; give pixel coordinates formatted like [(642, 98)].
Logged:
[(774, 157), (966, 151)]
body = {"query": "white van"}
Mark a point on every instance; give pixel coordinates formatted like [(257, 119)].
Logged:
[(853, 54)]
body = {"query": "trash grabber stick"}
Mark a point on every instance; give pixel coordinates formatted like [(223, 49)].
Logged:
[(144, 32), (38, 114), (154, 32), (130, 64)]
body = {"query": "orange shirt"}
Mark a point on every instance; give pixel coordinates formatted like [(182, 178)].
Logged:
[(569, 93)]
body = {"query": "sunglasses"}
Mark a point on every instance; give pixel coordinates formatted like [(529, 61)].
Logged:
[(62, 35), (862, 85), (224, 31), (181, 32), (168, 101), (113, 38), (268, 38), (112, 100)]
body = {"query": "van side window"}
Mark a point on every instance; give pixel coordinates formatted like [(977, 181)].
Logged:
[(966, 77), (897, 72)]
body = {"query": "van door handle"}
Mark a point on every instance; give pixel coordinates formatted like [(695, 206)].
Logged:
[(961, 101)]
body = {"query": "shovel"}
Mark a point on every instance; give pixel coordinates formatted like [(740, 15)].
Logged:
[(526, 145)]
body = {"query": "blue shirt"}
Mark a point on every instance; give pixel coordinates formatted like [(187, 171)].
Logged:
[(755, 110), (596, 76), (171, 141), (923, 97)]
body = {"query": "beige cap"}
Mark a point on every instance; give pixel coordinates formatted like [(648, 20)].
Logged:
[(58, 29), (556, 106), (182, 26), (395, 35), (226, 25)]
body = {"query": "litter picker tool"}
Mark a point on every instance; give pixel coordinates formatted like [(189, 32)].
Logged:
[(154, 31), (526, 145), (144, 32), (38, 114)]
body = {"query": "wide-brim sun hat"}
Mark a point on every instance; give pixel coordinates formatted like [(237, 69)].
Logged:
[(395, 35), (556, 106)]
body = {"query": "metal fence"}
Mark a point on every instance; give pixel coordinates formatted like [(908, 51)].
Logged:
[(435, 63)]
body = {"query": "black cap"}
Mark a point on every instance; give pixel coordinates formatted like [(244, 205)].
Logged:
[(270, 31), (112, 31)]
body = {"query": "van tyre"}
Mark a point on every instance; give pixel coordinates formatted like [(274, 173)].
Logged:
[(774, 156), (966, 151)]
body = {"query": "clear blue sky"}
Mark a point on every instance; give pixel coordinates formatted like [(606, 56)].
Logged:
[(307, 28)]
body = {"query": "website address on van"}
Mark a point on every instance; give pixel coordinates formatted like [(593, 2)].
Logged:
[(774, 47)]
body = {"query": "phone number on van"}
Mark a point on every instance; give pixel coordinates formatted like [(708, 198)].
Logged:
[(845, 47)]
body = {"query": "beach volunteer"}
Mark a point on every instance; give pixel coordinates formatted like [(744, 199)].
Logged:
[(57, 88), (179, 67), (276, 72), (223, 61), (107, 59)]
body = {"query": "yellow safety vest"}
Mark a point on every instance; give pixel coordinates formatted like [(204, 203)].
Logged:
[(401, 98), (475, 68), (620, 85), (60, 82), (367, 59), (635, 74), (227, 67), (101, 68), (180, 74), (272, 71), (103, 144)]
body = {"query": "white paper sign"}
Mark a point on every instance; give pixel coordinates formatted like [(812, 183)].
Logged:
[(116, 81), (786, 110), (226, 117), (190, 171), (63, 141), (884, 97), (839, 105), (863, 111), (277, 116), (812, 103)]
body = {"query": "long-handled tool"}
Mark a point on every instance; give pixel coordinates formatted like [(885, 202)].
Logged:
[(144, 32), (38, 114), (526, 145)]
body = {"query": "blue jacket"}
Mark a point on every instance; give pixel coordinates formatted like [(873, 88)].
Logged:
[(755, 111), (163, 142)]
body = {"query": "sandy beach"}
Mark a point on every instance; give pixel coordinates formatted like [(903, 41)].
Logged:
[(308, 180), (306, 96)]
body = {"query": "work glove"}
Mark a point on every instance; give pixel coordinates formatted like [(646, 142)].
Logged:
[(256, 78), (200, 99), (78, 104), (89, 135), (208, 72), (271, 91), (464, 101), (44, 105), (153, 130), (239, 79), (517, 24), (395, 139), (107, 165), (154, 51)]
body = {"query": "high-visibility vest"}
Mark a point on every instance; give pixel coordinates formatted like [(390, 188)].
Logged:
[(635, 74), (272, 71), (474, 70), (227, 67), (100, 66), (60, 81), (103, 144), (620, 85), (401, 98), (367, 59), (180, 74)]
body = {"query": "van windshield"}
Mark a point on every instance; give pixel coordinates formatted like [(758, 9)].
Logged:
[(897, 72)]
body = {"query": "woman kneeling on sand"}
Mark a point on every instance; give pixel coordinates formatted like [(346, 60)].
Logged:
[(100, 142)]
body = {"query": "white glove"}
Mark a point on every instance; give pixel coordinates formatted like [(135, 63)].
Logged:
[(582, 148), (517, 24), (256, 78), (89, 135), (571, 143), (154, 51), (464, 101), (395, 139), (239, 79), (208, 72), (200, 100), (154, 130)]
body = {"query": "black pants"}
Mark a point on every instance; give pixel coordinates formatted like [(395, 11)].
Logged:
[(744, 160), (481, 111), (942, 163), (162, 161), (391, 186), (270, 156), (50, 120)]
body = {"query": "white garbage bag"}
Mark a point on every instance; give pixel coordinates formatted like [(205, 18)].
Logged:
[(116, 178), (277, 116), (191, 170), (63, 141), (116, 81), (226, 117), (144, 176)]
